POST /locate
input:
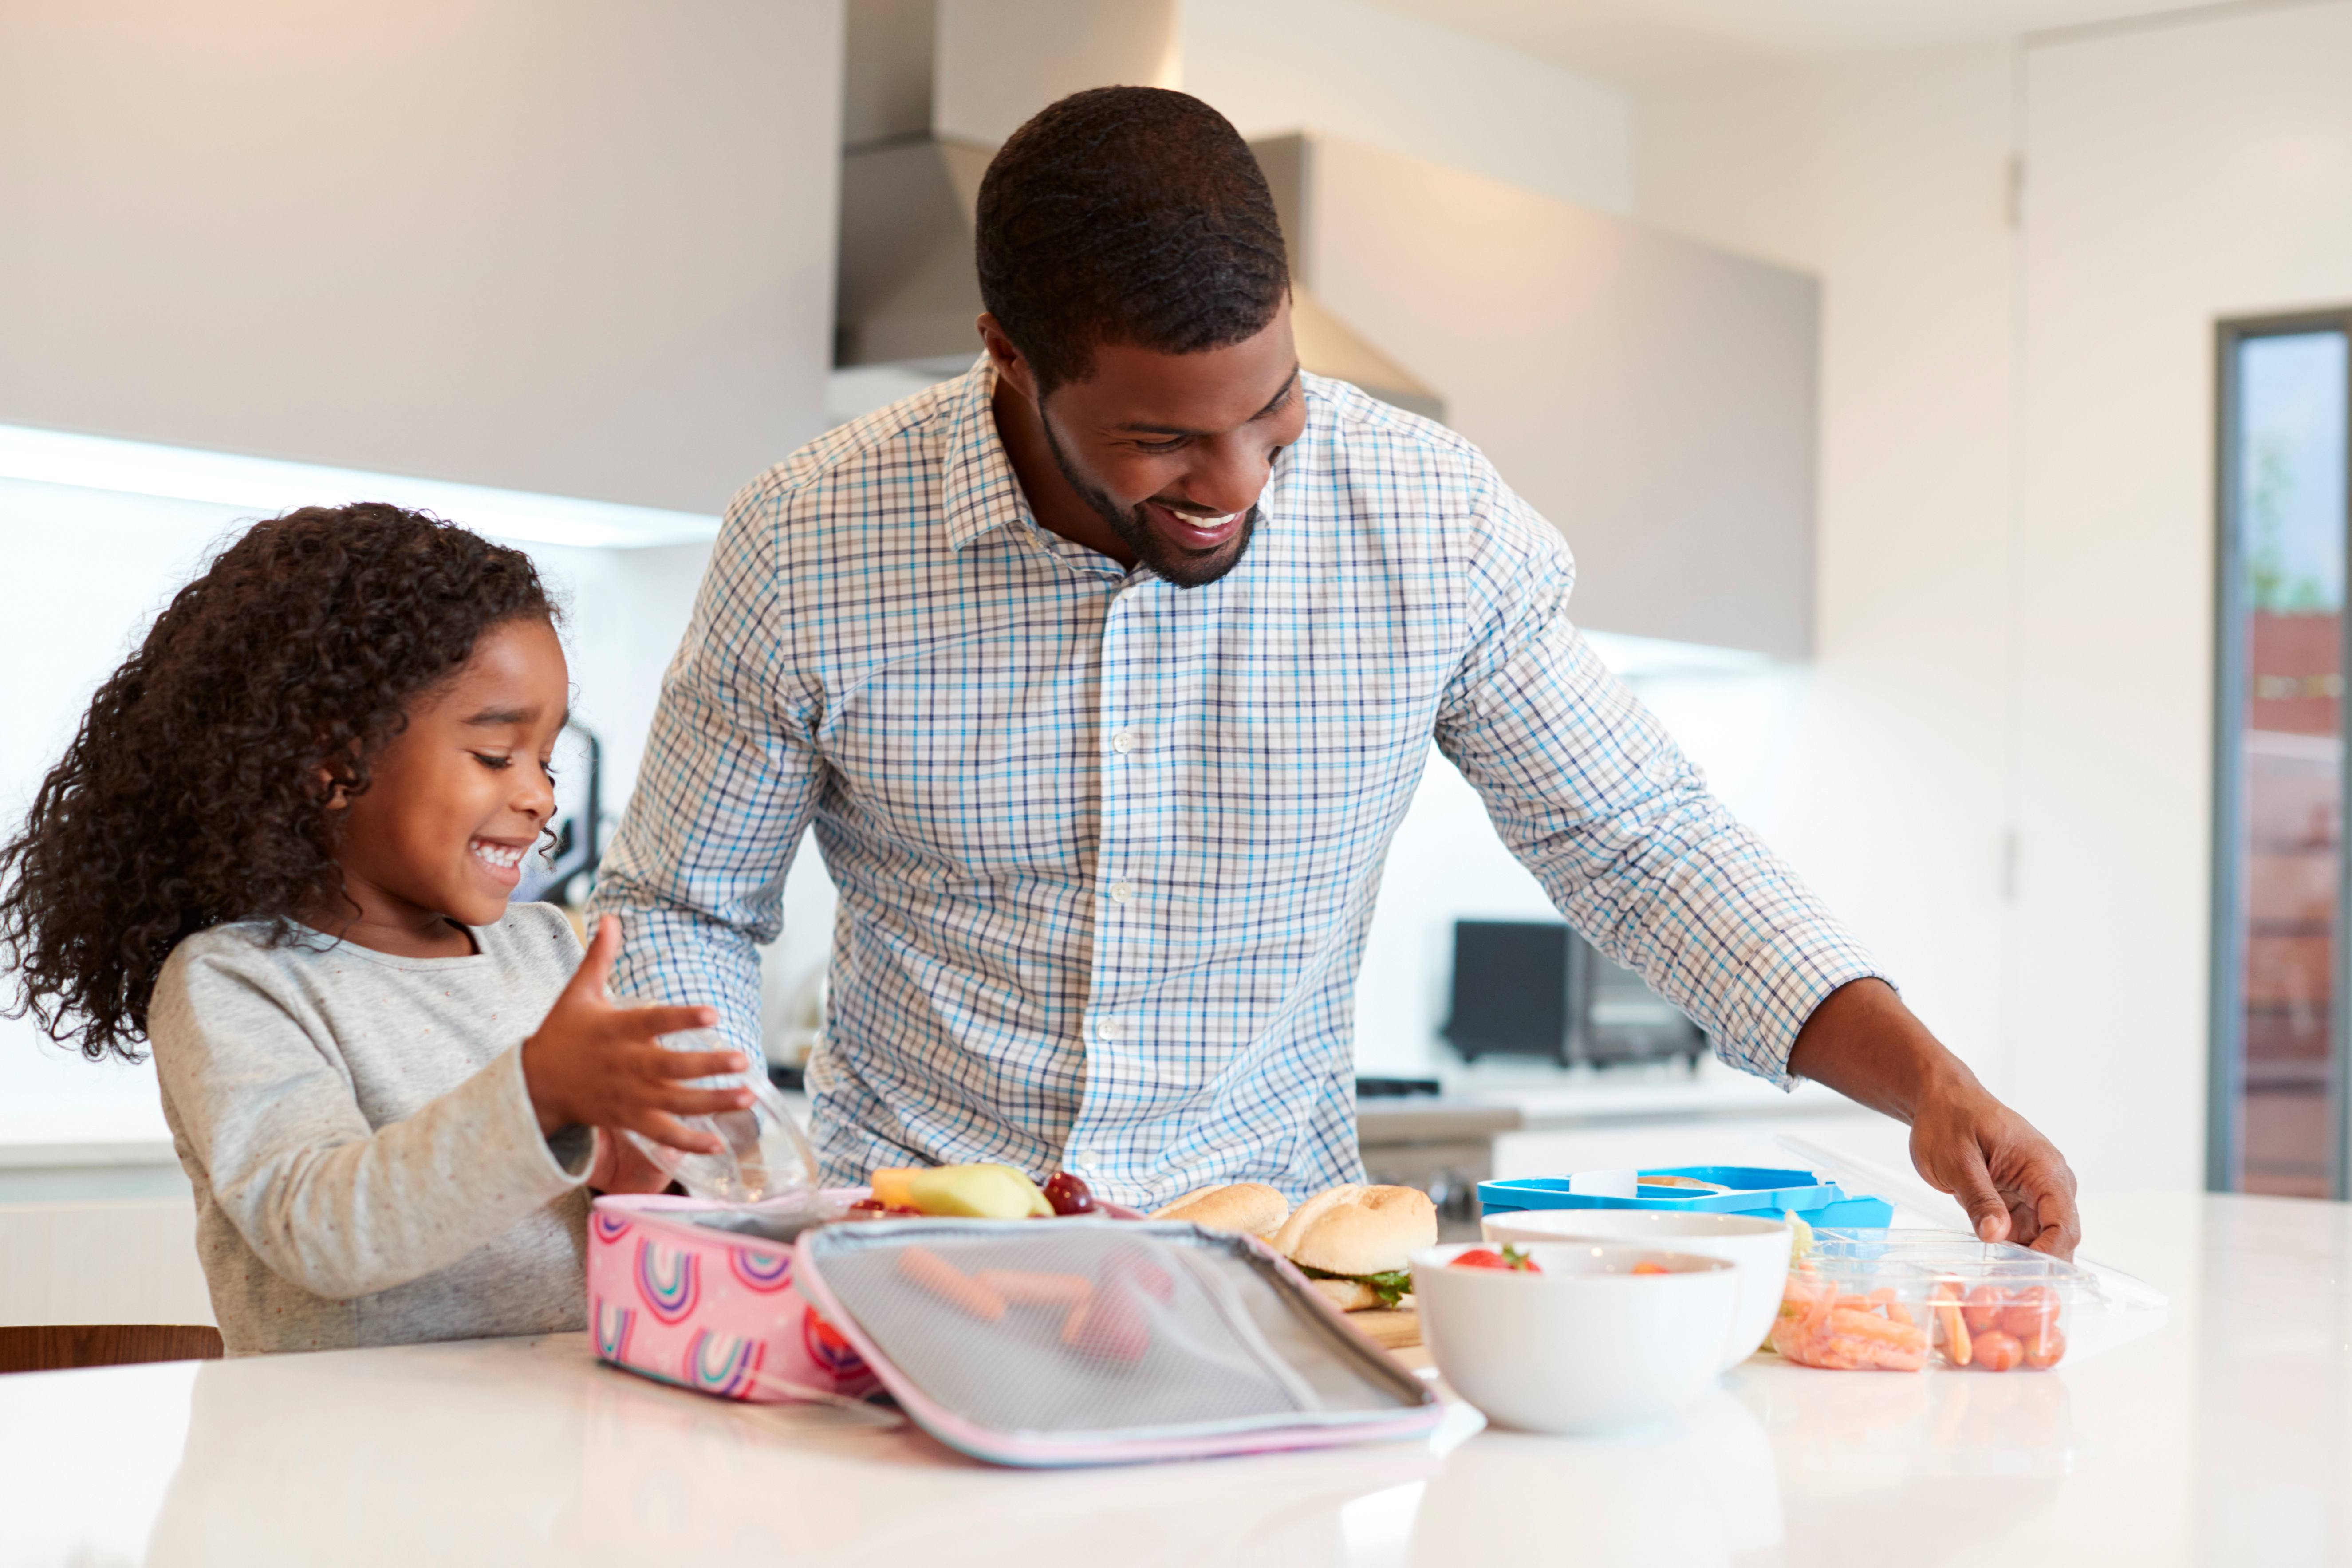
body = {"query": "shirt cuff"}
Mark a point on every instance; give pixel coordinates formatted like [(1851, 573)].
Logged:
[(1789, 976)]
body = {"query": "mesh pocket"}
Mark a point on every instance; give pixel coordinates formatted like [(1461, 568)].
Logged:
[(1098, 1327)]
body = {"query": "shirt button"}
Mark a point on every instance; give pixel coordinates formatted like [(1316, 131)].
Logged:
[(1123, 742), (1106, 1030), (1082, 1157), (1121, 891)]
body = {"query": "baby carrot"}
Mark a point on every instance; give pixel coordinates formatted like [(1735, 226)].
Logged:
[(935, 1274), (1023, 1287), (1956, 1328)]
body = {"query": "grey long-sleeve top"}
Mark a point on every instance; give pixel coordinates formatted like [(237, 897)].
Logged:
[(368, 1168)]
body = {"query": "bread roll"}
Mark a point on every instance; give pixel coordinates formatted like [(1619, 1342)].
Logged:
[(1252, 1208), (1308, 1212), (1369, 1230)]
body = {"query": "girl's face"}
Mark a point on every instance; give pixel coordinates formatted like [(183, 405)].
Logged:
[(458, 797)]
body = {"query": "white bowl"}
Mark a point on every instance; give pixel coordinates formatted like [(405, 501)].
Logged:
[(1758, 1247), (1587, 1345)]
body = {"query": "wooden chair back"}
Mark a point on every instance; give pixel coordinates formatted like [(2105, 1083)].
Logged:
[(53, 1347)]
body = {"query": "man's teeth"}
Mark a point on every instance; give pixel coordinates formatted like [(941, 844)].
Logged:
[(1207, 524), (505, 857)]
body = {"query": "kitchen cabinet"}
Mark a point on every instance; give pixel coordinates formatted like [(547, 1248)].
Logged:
[(1654, 398)]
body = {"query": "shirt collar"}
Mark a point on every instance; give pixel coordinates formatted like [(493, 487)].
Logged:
[(978, 490)]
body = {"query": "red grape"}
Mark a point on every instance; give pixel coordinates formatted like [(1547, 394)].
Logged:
[(1068, 1194)]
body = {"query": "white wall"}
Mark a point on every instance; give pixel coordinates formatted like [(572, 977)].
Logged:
[(2013, 686), (1348, 69), (1445, 863), (1887, 783), (89, 569), (581, 247), (2175, 177)]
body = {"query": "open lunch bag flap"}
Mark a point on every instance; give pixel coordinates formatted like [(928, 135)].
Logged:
[(1081, 1341)]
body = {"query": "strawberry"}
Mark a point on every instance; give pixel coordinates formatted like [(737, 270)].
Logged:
[(1510, 1258)]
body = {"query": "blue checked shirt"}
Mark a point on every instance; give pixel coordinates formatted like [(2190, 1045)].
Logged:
[(1107, 849)]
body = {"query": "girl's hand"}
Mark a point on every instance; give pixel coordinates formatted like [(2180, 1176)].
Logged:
[(593, 1064), (622, 1167)]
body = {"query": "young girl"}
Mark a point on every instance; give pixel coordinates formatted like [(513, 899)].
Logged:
[(279, 849)]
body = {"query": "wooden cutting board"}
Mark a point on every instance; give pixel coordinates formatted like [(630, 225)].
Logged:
[(1392, 1328)]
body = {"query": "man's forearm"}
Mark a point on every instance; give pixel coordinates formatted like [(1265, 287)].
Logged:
[(1864, 1043)]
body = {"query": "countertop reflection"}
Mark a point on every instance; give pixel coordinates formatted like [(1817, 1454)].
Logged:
[(2224, 1434)]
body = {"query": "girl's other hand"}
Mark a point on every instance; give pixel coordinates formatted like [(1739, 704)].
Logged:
[(622, 1167), (593, 1064)]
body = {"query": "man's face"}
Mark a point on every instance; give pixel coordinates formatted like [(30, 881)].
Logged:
[(1173, 450)]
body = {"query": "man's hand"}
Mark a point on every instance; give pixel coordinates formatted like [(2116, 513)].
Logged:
[(593, 1064), (1866, 1044)]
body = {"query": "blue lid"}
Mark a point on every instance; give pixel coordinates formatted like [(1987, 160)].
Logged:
[(1745, 1188)]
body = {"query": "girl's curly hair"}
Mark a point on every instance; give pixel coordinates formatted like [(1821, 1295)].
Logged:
[(195, 792)]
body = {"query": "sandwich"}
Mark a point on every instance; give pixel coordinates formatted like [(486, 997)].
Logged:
[(1352, 1242), (1249, 1206)]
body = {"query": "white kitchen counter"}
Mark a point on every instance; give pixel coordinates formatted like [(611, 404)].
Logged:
[(2223, 1436)]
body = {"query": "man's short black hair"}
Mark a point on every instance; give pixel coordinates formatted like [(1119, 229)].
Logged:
[(1130, 215)]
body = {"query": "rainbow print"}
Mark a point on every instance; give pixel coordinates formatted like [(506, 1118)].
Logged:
[(669, 1280), (724, 1364), (827, 1348), (606, 1227), (760, 1270), (611, 1325)]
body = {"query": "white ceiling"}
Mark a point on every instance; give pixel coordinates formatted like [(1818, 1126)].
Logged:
[(1660, 41)]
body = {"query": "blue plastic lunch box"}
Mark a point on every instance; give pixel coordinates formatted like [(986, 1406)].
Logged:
[(1751, 1190)]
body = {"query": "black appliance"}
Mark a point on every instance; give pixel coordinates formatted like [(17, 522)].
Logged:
[(563, 872), (1535, 988)]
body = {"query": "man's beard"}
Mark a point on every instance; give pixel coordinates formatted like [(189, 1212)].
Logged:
[(1186, 569)]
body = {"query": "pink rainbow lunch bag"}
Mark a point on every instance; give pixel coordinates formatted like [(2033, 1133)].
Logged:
[(711, 1310)]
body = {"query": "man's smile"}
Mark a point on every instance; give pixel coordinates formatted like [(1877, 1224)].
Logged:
[(1192, 531)]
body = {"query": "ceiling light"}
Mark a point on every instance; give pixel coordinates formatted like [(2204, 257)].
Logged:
[(267, 487)]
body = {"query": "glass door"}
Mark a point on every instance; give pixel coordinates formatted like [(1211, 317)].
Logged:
[(2282, 1007)]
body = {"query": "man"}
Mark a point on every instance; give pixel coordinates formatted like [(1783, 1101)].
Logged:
[(1105, 675)]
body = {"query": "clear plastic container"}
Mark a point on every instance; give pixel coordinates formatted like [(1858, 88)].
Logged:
[(766, 1156), (1852, 1314), (1942, 1298), (2003, 1314)]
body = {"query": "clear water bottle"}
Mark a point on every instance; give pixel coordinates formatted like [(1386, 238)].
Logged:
[(766, 1155)]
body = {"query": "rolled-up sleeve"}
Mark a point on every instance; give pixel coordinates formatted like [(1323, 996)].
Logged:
[(696, 870), (1594, 798)]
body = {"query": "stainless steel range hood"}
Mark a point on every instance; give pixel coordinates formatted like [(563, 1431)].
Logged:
[(906, 291)]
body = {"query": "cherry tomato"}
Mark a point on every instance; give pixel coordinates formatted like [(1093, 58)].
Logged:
[(1983, 1306), (2046, 1349), (1068, 1194), (1997, 1351), (2031, 1312)]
